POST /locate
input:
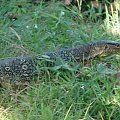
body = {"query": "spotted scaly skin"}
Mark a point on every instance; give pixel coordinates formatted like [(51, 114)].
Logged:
[(87, 51), (24, 68), (15, 68)]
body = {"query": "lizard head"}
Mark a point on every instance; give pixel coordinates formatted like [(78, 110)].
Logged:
[(104, 47), (108, 47), (111, 47)]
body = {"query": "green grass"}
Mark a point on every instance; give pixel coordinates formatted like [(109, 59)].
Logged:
[(78, 92)]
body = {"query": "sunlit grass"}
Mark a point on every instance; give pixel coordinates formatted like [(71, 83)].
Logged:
[(5, 114), (112, 22)]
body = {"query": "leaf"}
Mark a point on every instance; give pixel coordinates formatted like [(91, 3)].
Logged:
[(103, 69)]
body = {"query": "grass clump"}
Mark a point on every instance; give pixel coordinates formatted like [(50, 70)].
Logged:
[(82, 91)]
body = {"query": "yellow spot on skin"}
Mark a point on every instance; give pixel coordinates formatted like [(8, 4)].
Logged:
[(24, 67), (7, 68)]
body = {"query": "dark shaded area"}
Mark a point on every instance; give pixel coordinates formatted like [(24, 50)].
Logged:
[(86, 6), (96, 5)]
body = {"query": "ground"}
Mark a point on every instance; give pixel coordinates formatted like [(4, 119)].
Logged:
[(85, 91)]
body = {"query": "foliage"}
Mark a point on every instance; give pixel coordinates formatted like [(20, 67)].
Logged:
[(63, 92)]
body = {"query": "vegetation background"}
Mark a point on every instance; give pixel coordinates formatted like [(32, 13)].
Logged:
[(88, 91)]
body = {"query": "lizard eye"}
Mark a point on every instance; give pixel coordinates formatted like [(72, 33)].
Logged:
[(106, 46), (118, 45)]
